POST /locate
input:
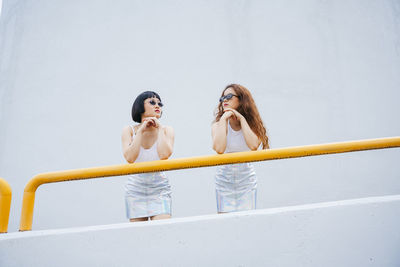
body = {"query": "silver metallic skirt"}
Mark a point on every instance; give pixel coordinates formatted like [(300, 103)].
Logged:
[(236, 187), (147, 194)]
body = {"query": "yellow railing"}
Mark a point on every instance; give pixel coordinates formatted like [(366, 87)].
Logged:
[(5, 204), (194, 162)]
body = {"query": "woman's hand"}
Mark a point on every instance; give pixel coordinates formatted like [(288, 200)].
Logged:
[(149, 122), (227, 114), (154, 122), (232, 112)]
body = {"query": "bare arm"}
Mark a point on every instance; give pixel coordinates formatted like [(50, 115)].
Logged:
[(252, 140), (165, 145), (219, 131), (131, 148)]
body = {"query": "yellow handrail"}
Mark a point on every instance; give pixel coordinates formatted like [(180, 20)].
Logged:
[(5, 204), (194, 162)]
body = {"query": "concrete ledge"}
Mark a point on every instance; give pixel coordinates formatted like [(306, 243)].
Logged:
[(358, 232)]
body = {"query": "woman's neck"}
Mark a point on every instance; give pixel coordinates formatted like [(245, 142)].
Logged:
[(235, 124)]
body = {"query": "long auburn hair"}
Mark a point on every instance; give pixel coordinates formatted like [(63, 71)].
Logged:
[(248, 109)]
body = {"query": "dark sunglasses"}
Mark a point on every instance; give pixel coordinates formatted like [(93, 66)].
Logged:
[(152, 102), (227, 97)]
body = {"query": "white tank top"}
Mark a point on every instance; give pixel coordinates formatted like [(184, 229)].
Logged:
[(149, 154), (235, 141)]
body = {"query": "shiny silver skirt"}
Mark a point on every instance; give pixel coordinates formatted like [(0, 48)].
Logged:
[(236, 187), (147, 194)]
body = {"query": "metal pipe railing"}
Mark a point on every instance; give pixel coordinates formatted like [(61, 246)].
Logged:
[(5, 204), (193, 162)]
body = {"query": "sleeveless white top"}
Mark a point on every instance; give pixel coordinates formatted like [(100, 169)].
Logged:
[(235, 184), (149, 154), (235, 141), (147, 194)]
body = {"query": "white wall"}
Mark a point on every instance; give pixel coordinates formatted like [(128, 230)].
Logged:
[(360, 232), (320, 71)]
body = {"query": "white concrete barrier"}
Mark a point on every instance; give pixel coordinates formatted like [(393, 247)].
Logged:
[(358, 232)]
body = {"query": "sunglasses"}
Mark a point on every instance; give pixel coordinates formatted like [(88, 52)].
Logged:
[(227, 97), (153, 103)]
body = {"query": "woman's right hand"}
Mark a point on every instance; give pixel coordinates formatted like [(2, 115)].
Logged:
[(146, 123), (227, 114)]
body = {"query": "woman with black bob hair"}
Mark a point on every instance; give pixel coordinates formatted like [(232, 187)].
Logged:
[(147, 195)]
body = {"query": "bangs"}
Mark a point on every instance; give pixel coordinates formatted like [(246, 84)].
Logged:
[(150, 94)]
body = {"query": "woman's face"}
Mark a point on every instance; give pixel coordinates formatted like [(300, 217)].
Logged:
[(230, 99), (152, 108)]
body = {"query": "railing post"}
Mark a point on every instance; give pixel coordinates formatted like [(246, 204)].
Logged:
[(28, 203), (5, 205)]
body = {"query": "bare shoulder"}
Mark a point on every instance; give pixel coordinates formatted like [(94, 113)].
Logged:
[(168, 130), (127, 130)]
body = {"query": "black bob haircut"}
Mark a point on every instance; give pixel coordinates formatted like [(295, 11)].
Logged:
[(138, 105)]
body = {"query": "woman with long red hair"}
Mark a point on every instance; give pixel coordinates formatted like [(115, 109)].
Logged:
[(237, 127)]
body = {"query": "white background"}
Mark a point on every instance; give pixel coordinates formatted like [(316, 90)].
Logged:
[(320, 71)]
